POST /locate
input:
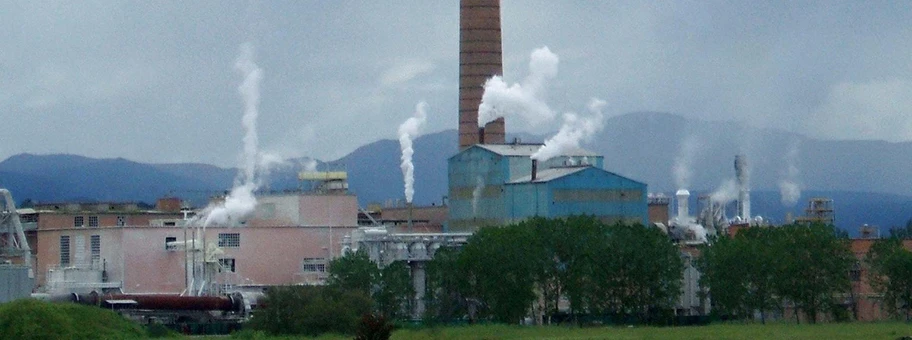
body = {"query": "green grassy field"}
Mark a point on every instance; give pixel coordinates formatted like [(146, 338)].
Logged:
[(892, 330), (885, 330)]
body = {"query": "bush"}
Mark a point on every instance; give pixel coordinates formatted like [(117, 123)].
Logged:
[(374, 327), (310, 310), (33, 319)]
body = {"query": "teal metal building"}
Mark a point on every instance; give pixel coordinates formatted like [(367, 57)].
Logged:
[(497, 184)]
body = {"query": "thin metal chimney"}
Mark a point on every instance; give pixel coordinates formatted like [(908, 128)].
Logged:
[(479, 59), (534, 169), (743, 175)]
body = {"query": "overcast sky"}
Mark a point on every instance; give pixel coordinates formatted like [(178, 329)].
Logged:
[(153, 81)]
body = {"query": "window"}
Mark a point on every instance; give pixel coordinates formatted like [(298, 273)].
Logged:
[(169, 224), (226, 266), (64, 251), (168, 240), (314, 265), (121, 221), (79, 221), (229, 240), (95, 243), (93, 221)]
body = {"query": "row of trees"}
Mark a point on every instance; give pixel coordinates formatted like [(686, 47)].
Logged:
[(763, 269), (358, 295), (890, 273), (503, 273)]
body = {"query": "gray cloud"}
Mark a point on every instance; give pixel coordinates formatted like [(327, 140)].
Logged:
[(154, 81)]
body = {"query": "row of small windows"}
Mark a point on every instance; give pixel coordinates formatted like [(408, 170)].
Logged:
[(225, 240), (80, 221)]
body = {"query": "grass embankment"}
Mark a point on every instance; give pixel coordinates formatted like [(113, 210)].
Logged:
[(33, 319), (853, 331), (720, 331)]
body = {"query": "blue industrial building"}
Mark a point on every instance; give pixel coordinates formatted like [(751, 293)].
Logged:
[(496, 184)]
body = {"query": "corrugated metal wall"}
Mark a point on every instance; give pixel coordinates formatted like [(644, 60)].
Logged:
[(14, 283)]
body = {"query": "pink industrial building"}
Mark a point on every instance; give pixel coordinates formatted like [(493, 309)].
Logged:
[(288, 240)]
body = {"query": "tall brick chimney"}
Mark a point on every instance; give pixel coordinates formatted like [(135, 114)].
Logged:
[(479, 59)]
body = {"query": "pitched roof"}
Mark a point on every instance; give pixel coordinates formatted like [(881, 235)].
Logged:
[(527, 150), (548, 175)]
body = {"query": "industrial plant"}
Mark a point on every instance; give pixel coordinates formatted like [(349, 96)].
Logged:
[(176, 263)]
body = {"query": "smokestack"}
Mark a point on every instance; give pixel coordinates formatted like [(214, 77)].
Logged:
[(682, 195), (479, 59), (410, 223), (534, 169), (741, 172)]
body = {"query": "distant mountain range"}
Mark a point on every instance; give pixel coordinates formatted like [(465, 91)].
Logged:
[(868, 180)]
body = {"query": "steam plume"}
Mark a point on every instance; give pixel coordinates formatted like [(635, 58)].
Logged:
[(682, 165), (240, 202), (725, 193), (575, 129), (407, 132), (789, 187), (523, 99), (476, 194)]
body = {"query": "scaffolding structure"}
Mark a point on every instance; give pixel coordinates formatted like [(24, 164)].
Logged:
[(819, 210)]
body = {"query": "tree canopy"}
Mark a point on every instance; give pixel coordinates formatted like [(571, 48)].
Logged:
[(508, 271)]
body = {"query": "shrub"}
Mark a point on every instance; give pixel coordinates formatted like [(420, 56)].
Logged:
[(310, 310), (33, 319)]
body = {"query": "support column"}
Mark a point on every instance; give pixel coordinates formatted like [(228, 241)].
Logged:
[(419, 284)]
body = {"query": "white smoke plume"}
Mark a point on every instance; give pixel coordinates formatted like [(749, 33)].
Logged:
[(309, 165), (725, 193), (476, 194), (789, 187), (240, 201), (682, 164), (699, 232), (522, 99), (407, 133), (575, 129)]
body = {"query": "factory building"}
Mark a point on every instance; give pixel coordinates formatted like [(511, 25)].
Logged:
[(81, 248), (496, 184)]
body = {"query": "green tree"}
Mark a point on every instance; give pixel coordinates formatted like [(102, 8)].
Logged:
[(389, 287), (393, 291), (310, 310), (354, 271), (499, 273), (445, 286), (637, 271), (740, 272), (890, 274), (813, 267)]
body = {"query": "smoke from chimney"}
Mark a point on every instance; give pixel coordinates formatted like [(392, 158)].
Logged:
[(789, 187), (407, 133), (682, 162), (521, 99), (240, 202), (575, 129)]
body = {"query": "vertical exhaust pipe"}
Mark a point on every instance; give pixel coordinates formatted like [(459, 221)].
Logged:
[(534, 169)]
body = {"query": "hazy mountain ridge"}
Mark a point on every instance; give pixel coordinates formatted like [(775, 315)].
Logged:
[(867, 179)]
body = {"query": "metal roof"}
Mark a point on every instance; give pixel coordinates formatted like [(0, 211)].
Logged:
[(548, 175), (527, 150)]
